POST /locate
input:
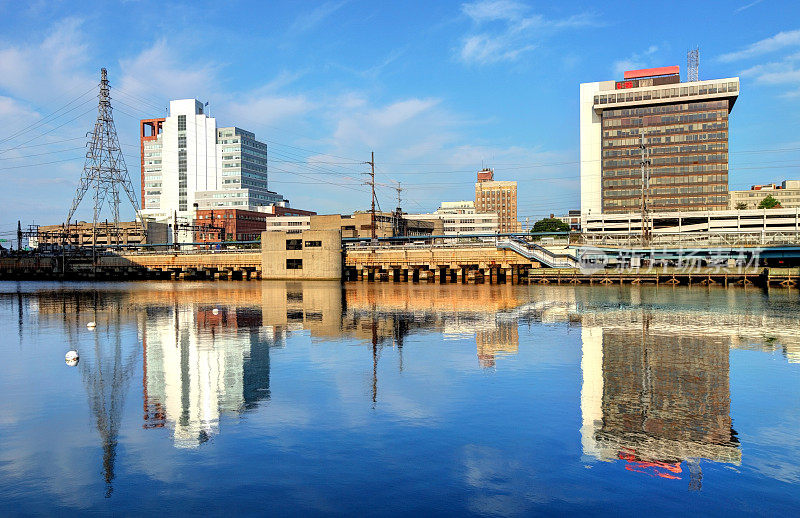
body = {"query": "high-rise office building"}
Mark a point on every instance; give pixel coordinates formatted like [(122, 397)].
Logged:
[(189, 163), (499, 197), (685, 131)]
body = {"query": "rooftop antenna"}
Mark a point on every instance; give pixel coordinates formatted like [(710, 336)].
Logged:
[(693, 65)]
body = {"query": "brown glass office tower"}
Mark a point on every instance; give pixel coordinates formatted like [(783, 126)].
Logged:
[(685, 129)]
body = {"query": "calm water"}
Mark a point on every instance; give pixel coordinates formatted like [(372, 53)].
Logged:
[(292, 398)]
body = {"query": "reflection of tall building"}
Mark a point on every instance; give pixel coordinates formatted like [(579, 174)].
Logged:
[(655, 399), (200, 365), (502, 340)]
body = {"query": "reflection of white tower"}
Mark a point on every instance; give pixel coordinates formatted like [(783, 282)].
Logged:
[(192, 375), (592, 389)]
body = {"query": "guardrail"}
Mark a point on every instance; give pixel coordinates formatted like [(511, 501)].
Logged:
[(679, 239), (539, 253)]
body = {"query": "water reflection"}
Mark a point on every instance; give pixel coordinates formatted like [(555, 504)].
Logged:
[(655, 378), (200, 362), (655, 399)]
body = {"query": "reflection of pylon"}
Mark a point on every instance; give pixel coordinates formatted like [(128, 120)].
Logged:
[(106, 376), (104, 169)]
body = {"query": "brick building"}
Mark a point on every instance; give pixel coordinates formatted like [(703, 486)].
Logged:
[(238, 224)]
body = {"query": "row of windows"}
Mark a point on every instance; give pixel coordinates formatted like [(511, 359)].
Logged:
[(286, 223), (667, 160), (665, 150), (667, 180), (655, 131), (666, 93), (666, 108), (637, 193), (687, 137), (696, 201), (653, 120), (667, 171)]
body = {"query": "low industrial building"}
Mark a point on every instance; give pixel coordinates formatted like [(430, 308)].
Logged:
[(238, 224), (787, 194), (573, 219), (84, 234), (310, 255), (358, 225), (460, 217)]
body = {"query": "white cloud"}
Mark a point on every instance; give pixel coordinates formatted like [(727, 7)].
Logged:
[(520, 32), (491, 10), (56, 64), (267, 109), (391, 125), (635, 61), (767, 45), (159, 72), (312, 19), (785, 72), (746, 6)]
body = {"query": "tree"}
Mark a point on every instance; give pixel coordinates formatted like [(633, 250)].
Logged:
[(550, 225), (769, 203), (741, 205)]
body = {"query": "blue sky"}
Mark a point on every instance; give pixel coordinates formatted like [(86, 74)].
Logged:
[(436, 89)]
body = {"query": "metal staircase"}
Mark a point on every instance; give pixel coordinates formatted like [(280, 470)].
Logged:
[(538, 253)]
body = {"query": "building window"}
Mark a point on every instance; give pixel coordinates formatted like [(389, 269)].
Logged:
[(313, 244), (294, 244), (294, 264), (181, 122)]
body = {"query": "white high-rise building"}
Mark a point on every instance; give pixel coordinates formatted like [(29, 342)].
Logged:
[(189, 163)]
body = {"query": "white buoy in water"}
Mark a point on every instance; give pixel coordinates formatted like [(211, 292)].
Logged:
[(215, 311), (91, 325), (71, 358)]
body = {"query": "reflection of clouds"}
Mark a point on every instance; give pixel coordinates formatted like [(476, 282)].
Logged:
[(781, 465), (502, 486)]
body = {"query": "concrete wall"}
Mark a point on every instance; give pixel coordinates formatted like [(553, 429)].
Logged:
[(318, 262), (591, 151)]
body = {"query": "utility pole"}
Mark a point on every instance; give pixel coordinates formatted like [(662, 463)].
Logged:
[(19, 236), (645, 165), (371, 183), (398, 230)]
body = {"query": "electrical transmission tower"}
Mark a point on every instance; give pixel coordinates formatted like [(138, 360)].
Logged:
[(104, 170), (693, 64)]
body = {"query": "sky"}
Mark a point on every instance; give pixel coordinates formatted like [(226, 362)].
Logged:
[(436, 89)]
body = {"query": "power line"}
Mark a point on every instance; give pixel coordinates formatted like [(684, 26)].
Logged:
[(45, 119)]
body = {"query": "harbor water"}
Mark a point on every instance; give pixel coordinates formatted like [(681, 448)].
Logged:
[(376, 399)]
